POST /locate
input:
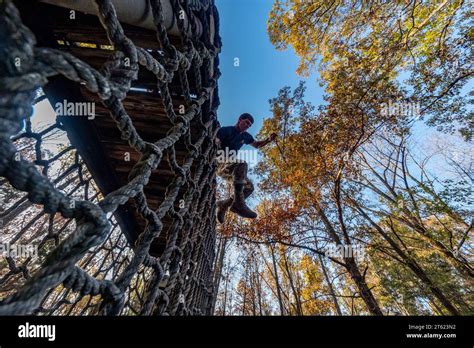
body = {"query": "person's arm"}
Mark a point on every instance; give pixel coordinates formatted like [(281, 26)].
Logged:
[(261, 143)]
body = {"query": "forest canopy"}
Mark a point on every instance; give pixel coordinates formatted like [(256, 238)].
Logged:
[(351, 171)]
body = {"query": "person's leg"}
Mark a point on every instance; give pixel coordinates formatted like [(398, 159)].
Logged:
[(248, 188), (243, 188), (240, 183), (226, 172)]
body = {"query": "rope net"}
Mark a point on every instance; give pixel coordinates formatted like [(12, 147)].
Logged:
[(85, 265)]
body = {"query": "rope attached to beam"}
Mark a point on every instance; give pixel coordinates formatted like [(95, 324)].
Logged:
[(115, 284)]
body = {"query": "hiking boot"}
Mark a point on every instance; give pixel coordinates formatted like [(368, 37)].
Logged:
[(238, 205), (222, 207)]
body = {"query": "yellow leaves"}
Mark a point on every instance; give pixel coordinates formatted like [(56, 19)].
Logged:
[(315, 291), (274, 220), (313, 154), (382, 34)]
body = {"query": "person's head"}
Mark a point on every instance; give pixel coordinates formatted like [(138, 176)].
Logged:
[(244, 122)]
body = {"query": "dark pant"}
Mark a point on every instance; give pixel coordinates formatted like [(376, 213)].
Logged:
[(236, 172)]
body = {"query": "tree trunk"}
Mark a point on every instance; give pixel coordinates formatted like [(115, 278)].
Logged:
[(299, 310), (331, 288), (410, 262), (277, 281), (218, 269), (225, 296), (351, 266), (259, 286)]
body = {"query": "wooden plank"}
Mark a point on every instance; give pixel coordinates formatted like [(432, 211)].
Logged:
[(98, 140)]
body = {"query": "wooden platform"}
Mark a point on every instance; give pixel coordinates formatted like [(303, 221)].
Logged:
[(98, 140)]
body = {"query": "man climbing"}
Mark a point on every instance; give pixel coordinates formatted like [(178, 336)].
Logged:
[(230, 139)]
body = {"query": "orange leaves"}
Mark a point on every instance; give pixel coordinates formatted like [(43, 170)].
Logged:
[(273, 222)]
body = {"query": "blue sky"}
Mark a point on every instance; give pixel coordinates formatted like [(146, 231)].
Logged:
[(262, 70)]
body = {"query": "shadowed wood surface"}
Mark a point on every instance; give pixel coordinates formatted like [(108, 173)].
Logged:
[(108, 157)]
